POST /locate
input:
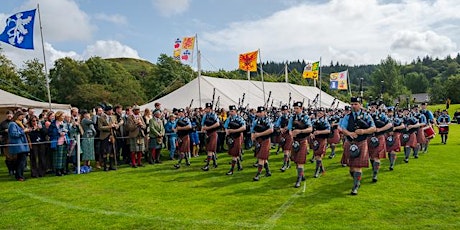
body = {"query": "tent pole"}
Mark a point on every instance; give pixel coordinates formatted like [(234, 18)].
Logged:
[(44, 58)]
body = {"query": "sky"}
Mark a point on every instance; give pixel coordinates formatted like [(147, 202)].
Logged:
[(350, 32)]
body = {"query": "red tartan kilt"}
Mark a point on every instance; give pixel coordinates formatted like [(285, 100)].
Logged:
[(421, 136), (288, 144), (412, 142), (396, 147), (264, 151), (335, 139), (345, 154), (211, 144), (184, 144), (360, 162), (379, 151), (321, 151), (310, 141), (300, 157), (235, 150)]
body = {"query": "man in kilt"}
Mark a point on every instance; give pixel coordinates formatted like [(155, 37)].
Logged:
[(107, 124), (261, 130), (321, 132), (334, 136), (422, 122), (300, 126), (234, 128), (393, 141), (285, 142), (430, 121), (377, 142), (136, 127), (409, 135), (443, 125), (183, 128), (210, 124), (357, 126)]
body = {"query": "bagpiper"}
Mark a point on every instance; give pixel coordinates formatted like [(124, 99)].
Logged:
[(234, 128)]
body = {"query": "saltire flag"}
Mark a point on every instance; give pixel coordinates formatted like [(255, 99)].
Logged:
[(248, 61), (183, 49), (19, 30), (339, 80), (311, 70)]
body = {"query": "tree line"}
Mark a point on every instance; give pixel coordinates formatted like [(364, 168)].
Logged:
[(129, 81)]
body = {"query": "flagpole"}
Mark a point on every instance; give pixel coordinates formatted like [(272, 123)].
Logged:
[(44, 57), (262, 74), (319, 77), (349, 85), (286, 72), (198, 63)]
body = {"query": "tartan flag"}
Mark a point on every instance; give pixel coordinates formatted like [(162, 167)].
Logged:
[(248, 61), (311, 70), (19, 30)]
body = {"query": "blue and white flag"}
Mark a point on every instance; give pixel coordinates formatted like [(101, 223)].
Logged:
[(19, 30)]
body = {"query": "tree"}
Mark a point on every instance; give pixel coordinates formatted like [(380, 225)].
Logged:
[(387, 79), (416, 83), (34, 79), (10, 80)]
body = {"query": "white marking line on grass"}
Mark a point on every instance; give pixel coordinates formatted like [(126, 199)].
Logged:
[(271, 222), (137, 216)]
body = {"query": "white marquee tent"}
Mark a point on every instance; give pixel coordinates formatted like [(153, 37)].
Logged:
[(230, 91), (9, 101)]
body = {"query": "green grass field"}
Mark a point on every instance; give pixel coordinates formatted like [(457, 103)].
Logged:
[(423, 194)]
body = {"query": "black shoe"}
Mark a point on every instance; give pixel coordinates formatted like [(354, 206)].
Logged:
[(267, 174), (391, 168), (229, 173), (240, 169), (297, 184), (344, 165), (134, 166), (331, 156), (113, 168), (205, 168), (316, 175), (282, 169), (406, 160), (354, 192), (215, 165), (416, 156), (311, 161), (256, 178), (177, 166), (255, 165), (303, 178), (188, 163), (58, 173), (374, 180)]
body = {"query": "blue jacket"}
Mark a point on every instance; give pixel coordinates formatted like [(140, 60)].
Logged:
[(17, 139)]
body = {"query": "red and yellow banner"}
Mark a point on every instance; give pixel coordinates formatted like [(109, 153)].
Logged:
[(183, 49), (248, 61)]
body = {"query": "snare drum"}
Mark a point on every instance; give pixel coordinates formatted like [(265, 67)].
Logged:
[(429, 132), (443, 129)]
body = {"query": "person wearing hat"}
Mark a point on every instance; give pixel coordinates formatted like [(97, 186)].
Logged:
[(422, 122), (183, 128), (357, 126), (136, 127), (285, 136), (157, 132), (321, 131), (334, 137), (10, 160), (87, 140), (107, 125), (443, 125), (301, 127), (409, 134), (393, 137), (59, 142), (261, 130), (429, 124), (210, 124), (19, 144), (234, 127), (171, 135), (377, 142)]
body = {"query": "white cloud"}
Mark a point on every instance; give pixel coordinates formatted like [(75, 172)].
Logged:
[(171, 7), (114, 18), (110, 49), (62, 20), (348, 31)]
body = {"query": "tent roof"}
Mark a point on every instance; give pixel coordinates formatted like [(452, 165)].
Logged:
[(230, 91), (9, 100)]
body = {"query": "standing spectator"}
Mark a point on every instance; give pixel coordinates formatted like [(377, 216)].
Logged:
[(146, 118), (136, 127), (87, 142), (97, 137), (19, 145), (10, 160), (59, 142), (120, 134), (156, 132), (172, 136), (37, 152)]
